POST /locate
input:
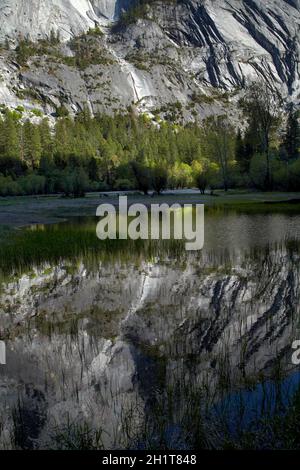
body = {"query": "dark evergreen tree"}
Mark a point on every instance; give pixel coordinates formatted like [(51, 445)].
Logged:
[(291, 141)]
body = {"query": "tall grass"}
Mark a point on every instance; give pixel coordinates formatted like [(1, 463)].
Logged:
[(73, 242)]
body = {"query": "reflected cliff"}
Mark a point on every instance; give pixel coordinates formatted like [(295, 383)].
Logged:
[(133, 348)]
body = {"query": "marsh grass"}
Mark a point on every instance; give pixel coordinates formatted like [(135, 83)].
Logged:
[(24, 249), (76, 435), (186, 419), (168, 423), (175, 416), (269, 430), (252, 207), (73, 243), (53, 244)]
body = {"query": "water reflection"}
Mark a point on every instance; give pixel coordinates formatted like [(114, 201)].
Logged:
[(135, 349)]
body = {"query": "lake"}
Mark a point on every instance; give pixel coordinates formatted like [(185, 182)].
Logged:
[(135, 345)]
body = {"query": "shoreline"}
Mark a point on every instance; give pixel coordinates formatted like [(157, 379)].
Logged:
[(21, 211)]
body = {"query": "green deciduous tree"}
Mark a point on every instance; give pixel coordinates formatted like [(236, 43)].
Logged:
[(220, 144)]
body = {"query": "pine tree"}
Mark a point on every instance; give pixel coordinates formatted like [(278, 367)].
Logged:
[(9, 138), (291, 139), (242, 153), (46, 138), (54, 37), (32, 144), (63, 141)]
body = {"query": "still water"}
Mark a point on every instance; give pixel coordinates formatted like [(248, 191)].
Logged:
[(145, 345)]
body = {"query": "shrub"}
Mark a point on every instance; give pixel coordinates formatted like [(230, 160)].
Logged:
[(123, 184), (181, 175), (294, 176), (201, 181), (143, 176), (9, 187), (258, 170), (103, 186), (32, 184), (159, 179), (37, 112), (62, 111), (20, 109), (95, 32), (75, 183)]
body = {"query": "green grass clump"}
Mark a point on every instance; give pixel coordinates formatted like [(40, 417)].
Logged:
[(71, 242)]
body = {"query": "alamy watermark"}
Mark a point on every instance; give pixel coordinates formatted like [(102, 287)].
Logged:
[(157, 222)]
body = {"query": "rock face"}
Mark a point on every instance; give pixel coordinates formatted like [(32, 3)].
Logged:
[(183, 50), (71, 17), (236, 40)]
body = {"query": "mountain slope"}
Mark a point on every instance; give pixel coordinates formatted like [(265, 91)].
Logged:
[(70, 17), (179, 51)]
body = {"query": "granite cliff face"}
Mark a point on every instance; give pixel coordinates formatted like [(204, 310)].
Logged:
[(71, 17), (198, 53)]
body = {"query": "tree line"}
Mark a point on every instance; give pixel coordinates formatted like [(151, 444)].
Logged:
[(129, 151)]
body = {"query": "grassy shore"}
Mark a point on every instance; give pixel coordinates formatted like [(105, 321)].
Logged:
[(27, 210), (22, 211)]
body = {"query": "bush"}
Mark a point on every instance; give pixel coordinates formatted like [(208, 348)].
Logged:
[(62, 111), (201, 181), (281, 177), (281, 174), (181, 175), (37, 112), (258, 170), (294, 176), (123, 184), (9, 187), (75, 183), (103, 186), (159, 179), (20, 109), (32, 184), (287, 176), (143, 177), (95, 32)]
